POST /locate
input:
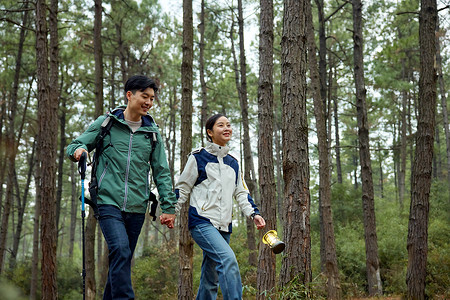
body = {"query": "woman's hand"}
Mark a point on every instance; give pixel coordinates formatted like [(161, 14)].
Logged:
[(259, 222)]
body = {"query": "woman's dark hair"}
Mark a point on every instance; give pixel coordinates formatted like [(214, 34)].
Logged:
[(139, 83), (210, 124)]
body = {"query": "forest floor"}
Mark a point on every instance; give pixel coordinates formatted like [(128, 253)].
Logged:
[(377, 298)]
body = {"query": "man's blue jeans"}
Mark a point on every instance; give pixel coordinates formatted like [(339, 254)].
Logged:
[(121, 231), (219, 264)]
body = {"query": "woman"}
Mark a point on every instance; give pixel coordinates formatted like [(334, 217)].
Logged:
[(211, 178)]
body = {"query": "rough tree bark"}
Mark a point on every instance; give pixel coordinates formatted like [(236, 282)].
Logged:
[(370, 233), (47, 122), (266, 275), (329, 258), (186, 245), (296, 263), (417, 243)]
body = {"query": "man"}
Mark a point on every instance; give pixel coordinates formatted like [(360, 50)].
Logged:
[(132, 147)]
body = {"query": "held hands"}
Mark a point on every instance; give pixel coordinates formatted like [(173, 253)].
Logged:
[(259, 222), (168, 220)]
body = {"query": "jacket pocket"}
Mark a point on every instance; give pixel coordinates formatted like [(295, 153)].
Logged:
[(103, 174), (206, 200), (147, 182)]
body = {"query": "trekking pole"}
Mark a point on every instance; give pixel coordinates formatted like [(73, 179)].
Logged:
[(82, 171)]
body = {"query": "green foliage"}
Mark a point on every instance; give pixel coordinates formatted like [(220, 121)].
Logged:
[(438, 267), (70, 281), (155, 273), (20, 277), (10, 292), (346, 204)]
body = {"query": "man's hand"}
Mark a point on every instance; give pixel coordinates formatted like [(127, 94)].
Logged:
[(259, 222), (168, 220), (78, 152)]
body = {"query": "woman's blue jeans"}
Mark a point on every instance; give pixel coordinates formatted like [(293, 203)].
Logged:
[(121, 231), (219, 264)]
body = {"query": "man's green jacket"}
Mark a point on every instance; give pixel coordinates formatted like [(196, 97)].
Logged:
[(124, 165)]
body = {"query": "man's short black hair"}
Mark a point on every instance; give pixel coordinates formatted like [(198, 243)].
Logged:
[(139, 83)]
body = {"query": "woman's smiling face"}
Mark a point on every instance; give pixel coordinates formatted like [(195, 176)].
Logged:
[(221, 131)]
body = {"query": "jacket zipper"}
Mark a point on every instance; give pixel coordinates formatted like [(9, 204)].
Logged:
[(127, 172), (220, 160), (147, 183)]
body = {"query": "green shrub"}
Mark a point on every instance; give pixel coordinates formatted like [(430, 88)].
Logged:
[(9, 291), (155, 274)]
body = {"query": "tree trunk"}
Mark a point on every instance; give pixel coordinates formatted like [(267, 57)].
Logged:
[(241, 86), (403, 152), (61, 158), (297, 261), (322, 50), (370, 233), (47, 120), (417, 243), (278, 160), (266, 275), (329, 258), (36, 226), (337, 141), (21, 206), (91, 224), (98, 57), (73, 210), (443, 97), (2, 151), (204, 110), (186, 244)]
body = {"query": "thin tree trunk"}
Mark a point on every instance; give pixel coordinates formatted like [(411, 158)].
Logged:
[(36, 226), (337, 142), (204, 111), (381, 158), (21, 208), (249, 169), (329, 258), (403, 152), (186, 244), (322, 50), (370, 234), (266, 275), (73, 210), (417, 243), (91, 225), (98, 57), (297, 232), (279, 161), (112, 102), (442, 93), (2, 152), (61, 158)]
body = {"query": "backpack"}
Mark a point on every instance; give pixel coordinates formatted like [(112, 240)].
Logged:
[(93, 184)]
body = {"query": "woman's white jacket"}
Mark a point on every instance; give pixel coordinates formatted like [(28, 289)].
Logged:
[(211, 178)]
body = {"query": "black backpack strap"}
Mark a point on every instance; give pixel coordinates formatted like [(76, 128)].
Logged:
[(93, 184)]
